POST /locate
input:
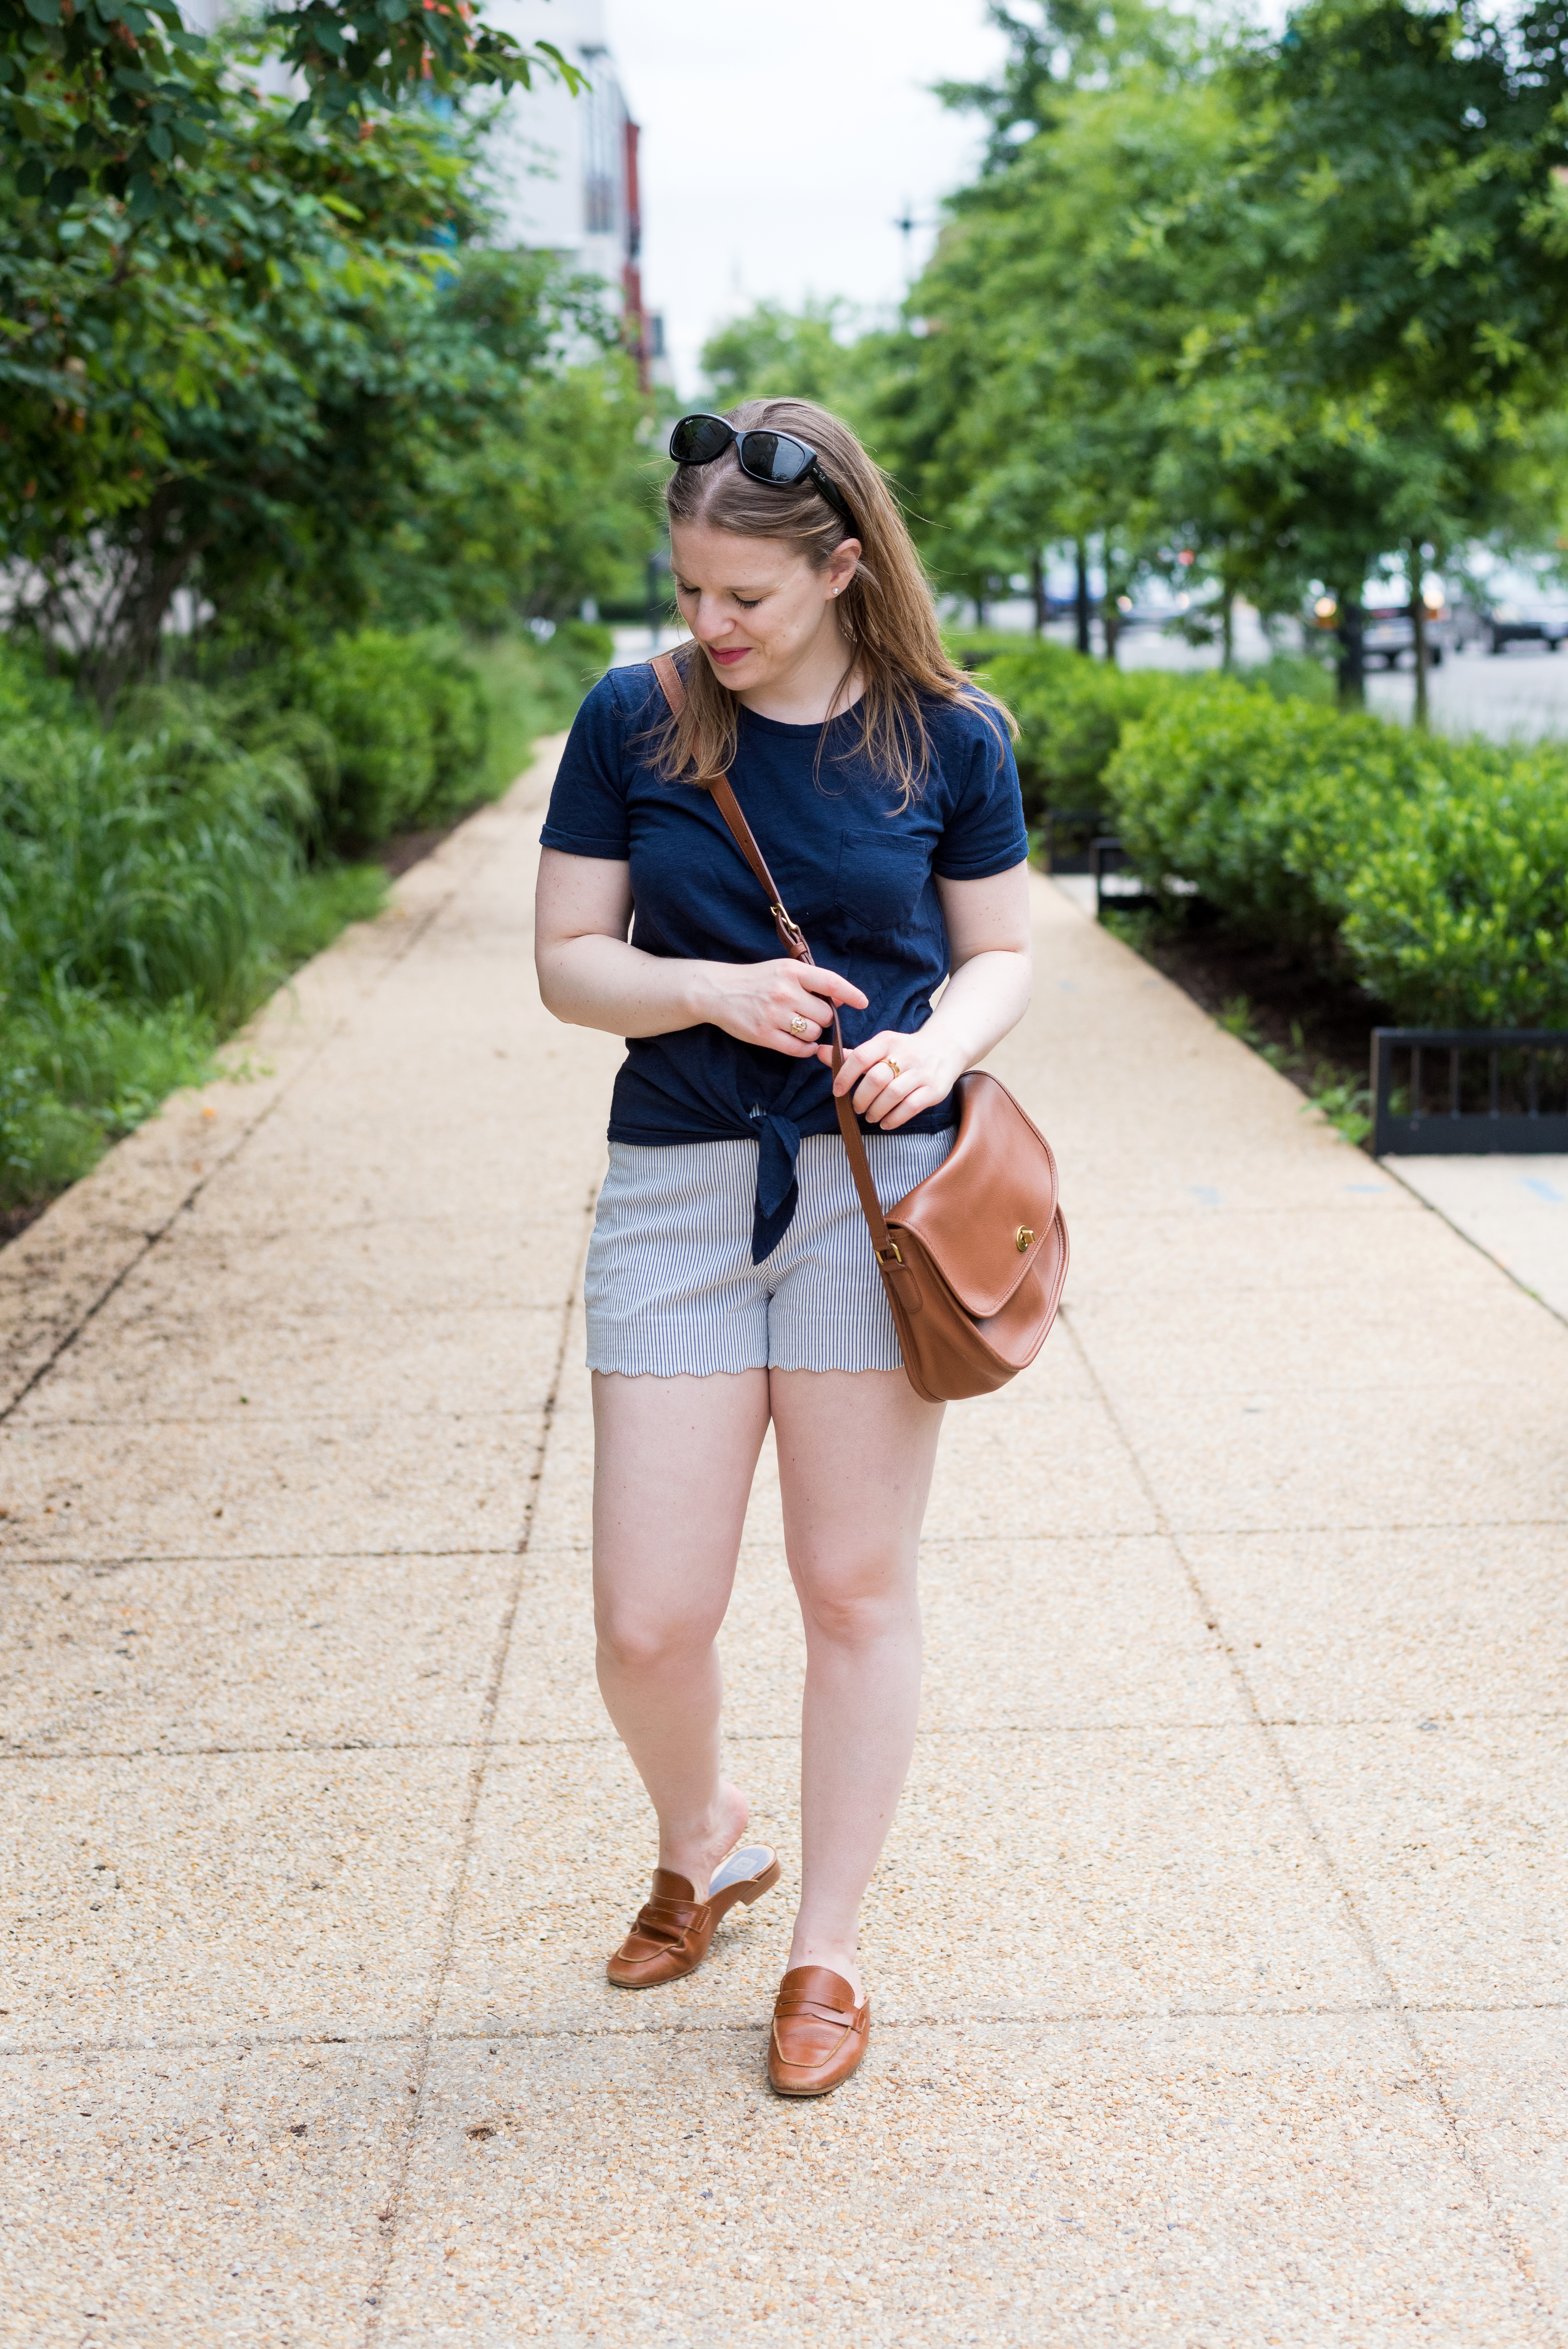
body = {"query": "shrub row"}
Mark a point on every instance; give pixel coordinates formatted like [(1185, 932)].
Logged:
[(1435, 872), (1432, 872), (395, 730), (1071, 712), (159, 875)]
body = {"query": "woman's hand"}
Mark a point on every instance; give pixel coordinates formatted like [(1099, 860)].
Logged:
[(926, 1071), (755, 1001)]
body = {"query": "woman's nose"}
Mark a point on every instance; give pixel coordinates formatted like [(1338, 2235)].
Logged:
[(711, 623)]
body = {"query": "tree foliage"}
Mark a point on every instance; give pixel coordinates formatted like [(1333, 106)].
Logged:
[(772, 353), (310, 396), (1283, 308), (110, 95)]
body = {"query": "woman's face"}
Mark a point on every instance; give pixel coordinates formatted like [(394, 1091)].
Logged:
[(756, 605)]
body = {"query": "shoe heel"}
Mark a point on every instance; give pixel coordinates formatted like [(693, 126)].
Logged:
[(765, 1883)]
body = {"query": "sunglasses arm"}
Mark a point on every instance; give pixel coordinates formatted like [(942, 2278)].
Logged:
[(834, 497)]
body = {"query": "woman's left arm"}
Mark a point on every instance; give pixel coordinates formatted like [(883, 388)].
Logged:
[(987, 993)]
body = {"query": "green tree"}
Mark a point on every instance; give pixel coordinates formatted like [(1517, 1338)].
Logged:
[(1034, 402), (256, 402), (108, 95), (1388, 338), (772, 353), (547, 497)]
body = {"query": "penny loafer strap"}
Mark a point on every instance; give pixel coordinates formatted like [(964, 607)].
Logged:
[(850, 2020), (669, 1920)]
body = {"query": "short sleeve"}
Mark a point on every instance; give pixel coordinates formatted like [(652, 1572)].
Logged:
[(985, 831), (587, 812)]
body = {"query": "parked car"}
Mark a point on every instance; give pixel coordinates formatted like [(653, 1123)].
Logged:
[(1387, 631), (1522, 606), (1156, 605)]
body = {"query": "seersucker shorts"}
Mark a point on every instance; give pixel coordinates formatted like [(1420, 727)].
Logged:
[(671, 1287)]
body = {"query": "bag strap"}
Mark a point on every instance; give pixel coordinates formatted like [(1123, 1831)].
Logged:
[(674, 690)]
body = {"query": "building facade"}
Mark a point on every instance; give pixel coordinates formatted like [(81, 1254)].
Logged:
[(565, 168)]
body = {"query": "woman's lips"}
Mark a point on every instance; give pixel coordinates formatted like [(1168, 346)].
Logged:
[(738, 653)]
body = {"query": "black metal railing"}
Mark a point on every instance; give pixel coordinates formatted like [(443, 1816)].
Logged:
[(1453, 1091), (1116, 883), (1067, 836)]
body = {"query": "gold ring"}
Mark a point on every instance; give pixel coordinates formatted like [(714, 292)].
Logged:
[(797, 1026), (893, 1065)]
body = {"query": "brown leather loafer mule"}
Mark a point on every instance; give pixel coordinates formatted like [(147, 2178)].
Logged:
[(675, 1930), (819, 2032)]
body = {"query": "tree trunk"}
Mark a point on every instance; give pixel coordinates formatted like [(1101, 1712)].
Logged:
[(1081, 601), (979, 611), (1418, 627), (1351, 665), (1227, 629), (1037, 589), (129, 626), (1111, 622)]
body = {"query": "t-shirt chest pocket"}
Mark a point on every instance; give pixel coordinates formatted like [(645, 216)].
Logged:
[(881, 882)]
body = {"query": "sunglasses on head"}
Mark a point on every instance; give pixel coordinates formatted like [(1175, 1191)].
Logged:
[(776, 458)]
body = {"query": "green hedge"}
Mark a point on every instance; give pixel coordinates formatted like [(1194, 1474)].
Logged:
[(1071, 711), (408, 722), (1433, 872)]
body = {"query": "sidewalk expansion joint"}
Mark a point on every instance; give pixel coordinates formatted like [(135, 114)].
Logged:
[(149, 1240), (1471, 1241), (230, 1417), (969, 1733), (480, 1750), (123, 1560), (1168, 1530), (246, 2037)]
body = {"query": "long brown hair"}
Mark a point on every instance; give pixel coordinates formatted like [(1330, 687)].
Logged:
[(886, 609)]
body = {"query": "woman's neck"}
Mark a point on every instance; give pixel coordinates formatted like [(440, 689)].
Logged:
[(816, 687)]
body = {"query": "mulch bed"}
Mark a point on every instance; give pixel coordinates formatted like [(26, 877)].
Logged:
[(408, 848), (13, 1221)]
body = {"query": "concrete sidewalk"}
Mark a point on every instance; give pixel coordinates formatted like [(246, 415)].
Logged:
[(1218, 1955), (1516, 1208)]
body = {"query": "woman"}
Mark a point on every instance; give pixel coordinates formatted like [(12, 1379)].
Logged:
[(731, 1279)]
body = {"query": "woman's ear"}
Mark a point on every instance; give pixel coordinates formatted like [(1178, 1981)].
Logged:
[(842, 565)]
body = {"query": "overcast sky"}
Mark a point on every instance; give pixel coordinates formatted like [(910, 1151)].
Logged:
[(782, 142)]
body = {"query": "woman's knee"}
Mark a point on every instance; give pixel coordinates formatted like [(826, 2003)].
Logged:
[(639, 1638), (855, 1608)]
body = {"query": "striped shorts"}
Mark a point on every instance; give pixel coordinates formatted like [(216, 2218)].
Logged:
[(671, 1287)]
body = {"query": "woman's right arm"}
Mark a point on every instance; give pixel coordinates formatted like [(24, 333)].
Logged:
[(590, 976)]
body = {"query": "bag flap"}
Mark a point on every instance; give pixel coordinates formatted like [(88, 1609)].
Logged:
[(987, 1211)]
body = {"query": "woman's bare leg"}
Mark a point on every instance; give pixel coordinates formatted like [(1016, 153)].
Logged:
[(672, 1463), (855, 1456)]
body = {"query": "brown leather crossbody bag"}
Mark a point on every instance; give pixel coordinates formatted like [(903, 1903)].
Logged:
[(972, 1258)]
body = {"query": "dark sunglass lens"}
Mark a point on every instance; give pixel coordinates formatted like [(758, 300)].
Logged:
[(773, 456), (698, 439)]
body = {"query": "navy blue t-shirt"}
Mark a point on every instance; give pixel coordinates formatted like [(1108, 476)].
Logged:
[(856, 871)]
